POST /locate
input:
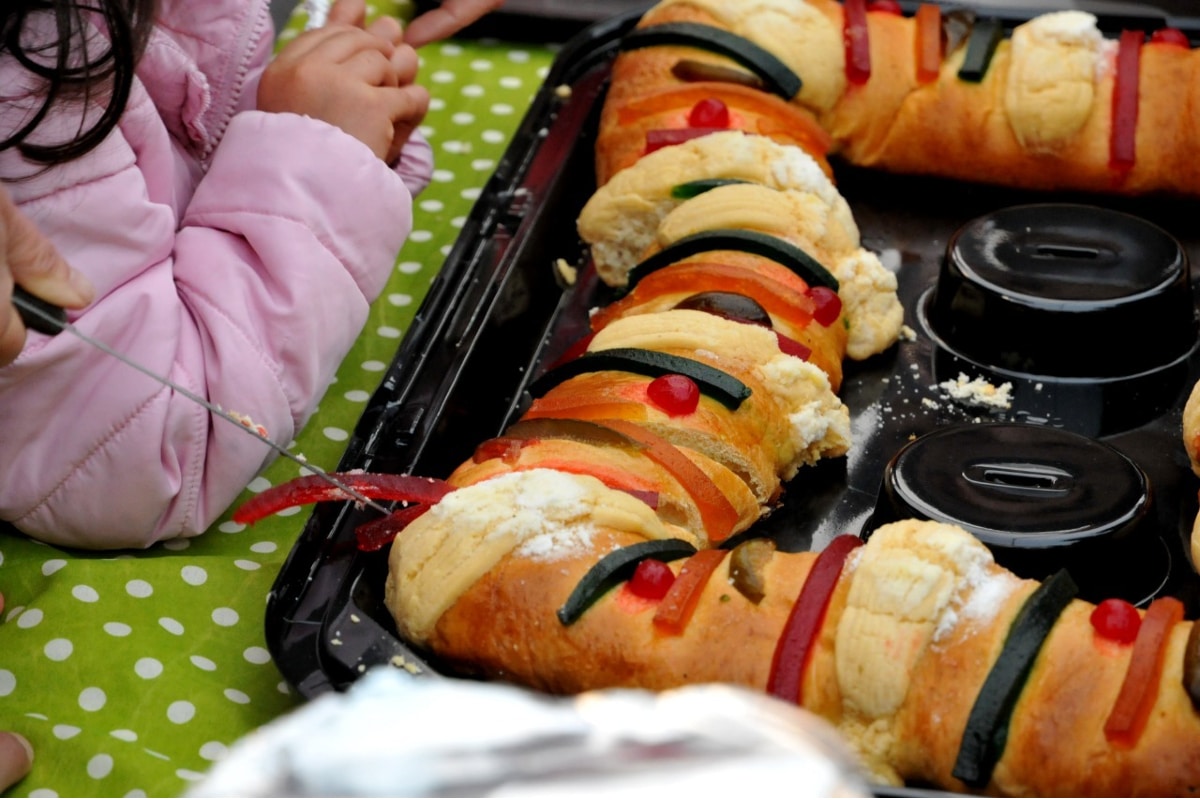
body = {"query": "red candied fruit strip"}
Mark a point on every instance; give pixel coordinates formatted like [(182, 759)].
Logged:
[(1123, 138), (379, 533), (805, 620), (314, 489), (1139, 691), (856, 42), (505, 448), (659, 138), (791, 347)]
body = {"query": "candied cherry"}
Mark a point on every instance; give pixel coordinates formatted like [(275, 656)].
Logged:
[(677, 395), (829, 305), (709, 113), (651, 580), (1116, 620), (886, 7), (1170, 36)]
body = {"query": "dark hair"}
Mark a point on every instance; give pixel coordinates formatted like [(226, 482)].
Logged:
[(71, 70)]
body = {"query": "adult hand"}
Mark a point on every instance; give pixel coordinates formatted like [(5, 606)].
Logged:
[(447, 19), (29, 259), (16, 756)]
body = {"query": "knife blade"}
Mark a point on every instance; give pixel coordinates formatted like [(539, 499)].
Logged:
[(47, 318)]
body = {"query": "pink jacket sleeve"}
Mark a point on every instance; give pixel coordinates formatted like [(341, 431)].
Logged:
[(250, 295)]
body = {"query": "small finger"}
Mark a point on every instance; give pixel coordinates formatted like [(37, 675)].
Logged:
[(409, 118), (388, 29), (16, 758), (372, 68), (339, 45), (406, 63)]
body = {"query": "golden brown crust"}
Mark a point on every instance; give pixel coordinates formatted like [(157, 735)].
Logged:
[(964, 130), (612, 645), (959, 129), (505, 626)]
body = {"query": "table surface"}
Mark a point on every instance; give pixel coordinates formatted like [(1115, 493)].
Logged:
[(132, 672)]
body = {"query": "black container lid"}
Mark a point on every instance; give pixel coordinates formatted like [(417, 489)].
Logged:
[(1065, 290), (1041, 498)]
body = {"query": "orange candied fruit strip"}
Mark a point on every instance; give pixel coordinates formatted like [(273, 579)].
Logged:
[(676, 609)]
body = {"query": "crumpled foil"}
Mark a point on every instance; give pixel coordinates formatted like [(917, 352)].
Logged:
[(393, 734)]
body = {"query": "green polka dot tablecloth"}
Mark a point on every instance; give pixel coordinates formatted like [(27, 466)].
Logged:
[(131, 673)]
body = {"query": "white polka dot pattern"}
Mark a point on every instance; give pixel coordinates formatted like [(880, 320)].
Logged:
[(131, 673)]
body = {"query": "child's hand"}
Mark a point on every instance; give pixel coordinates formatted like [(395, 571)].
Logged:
[(359, 79)]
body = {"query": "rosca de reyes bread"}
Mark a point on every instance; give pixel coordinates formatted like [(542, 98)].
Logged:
[(1051, 104), (682, 202), (606, 537), (927, 650)]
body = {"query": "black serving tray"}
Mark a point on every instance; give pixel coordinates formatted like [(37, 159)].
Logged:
[(498, 313)]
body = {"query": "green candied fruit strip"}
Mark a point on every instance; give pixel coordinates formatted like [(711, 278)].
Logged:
[(986, 733), (618, 567)]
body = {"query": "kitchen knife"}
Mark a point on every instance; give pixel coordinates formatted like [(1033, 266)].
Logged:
[(44, 317)]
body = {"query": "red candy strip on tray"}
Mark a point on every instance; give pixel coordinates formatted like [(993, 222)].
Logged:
[(1139, 691), (808, 613), (378, 534), (314, 489), (681, 599)]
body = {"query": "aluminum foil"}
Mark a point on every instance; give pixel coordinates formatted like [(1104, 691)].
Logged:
[(392, 734)]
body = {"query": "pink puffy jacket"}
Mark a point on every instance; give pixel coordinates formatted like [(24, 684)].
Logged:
[(233, 250)]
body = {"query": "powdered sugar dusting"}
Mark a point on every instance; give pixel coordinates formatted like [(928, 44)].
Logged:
[(985, 592), (566, 541)]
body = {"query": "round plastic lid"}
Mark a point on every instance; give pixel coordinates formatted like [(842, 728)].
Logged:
[(1064, 290), (1018, 486)]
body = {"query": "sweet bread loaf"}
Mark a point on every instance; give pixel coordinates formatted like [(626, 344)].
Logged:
[(1053, 104), (915, 630)]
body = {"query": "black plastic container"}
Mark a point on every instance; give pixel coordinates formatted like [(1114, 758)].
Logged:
[(496, 317)]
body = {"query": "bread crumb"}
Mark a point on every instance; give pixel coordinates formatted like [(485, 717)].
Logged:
[(978, 392), (562, 91), (565, 272)]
